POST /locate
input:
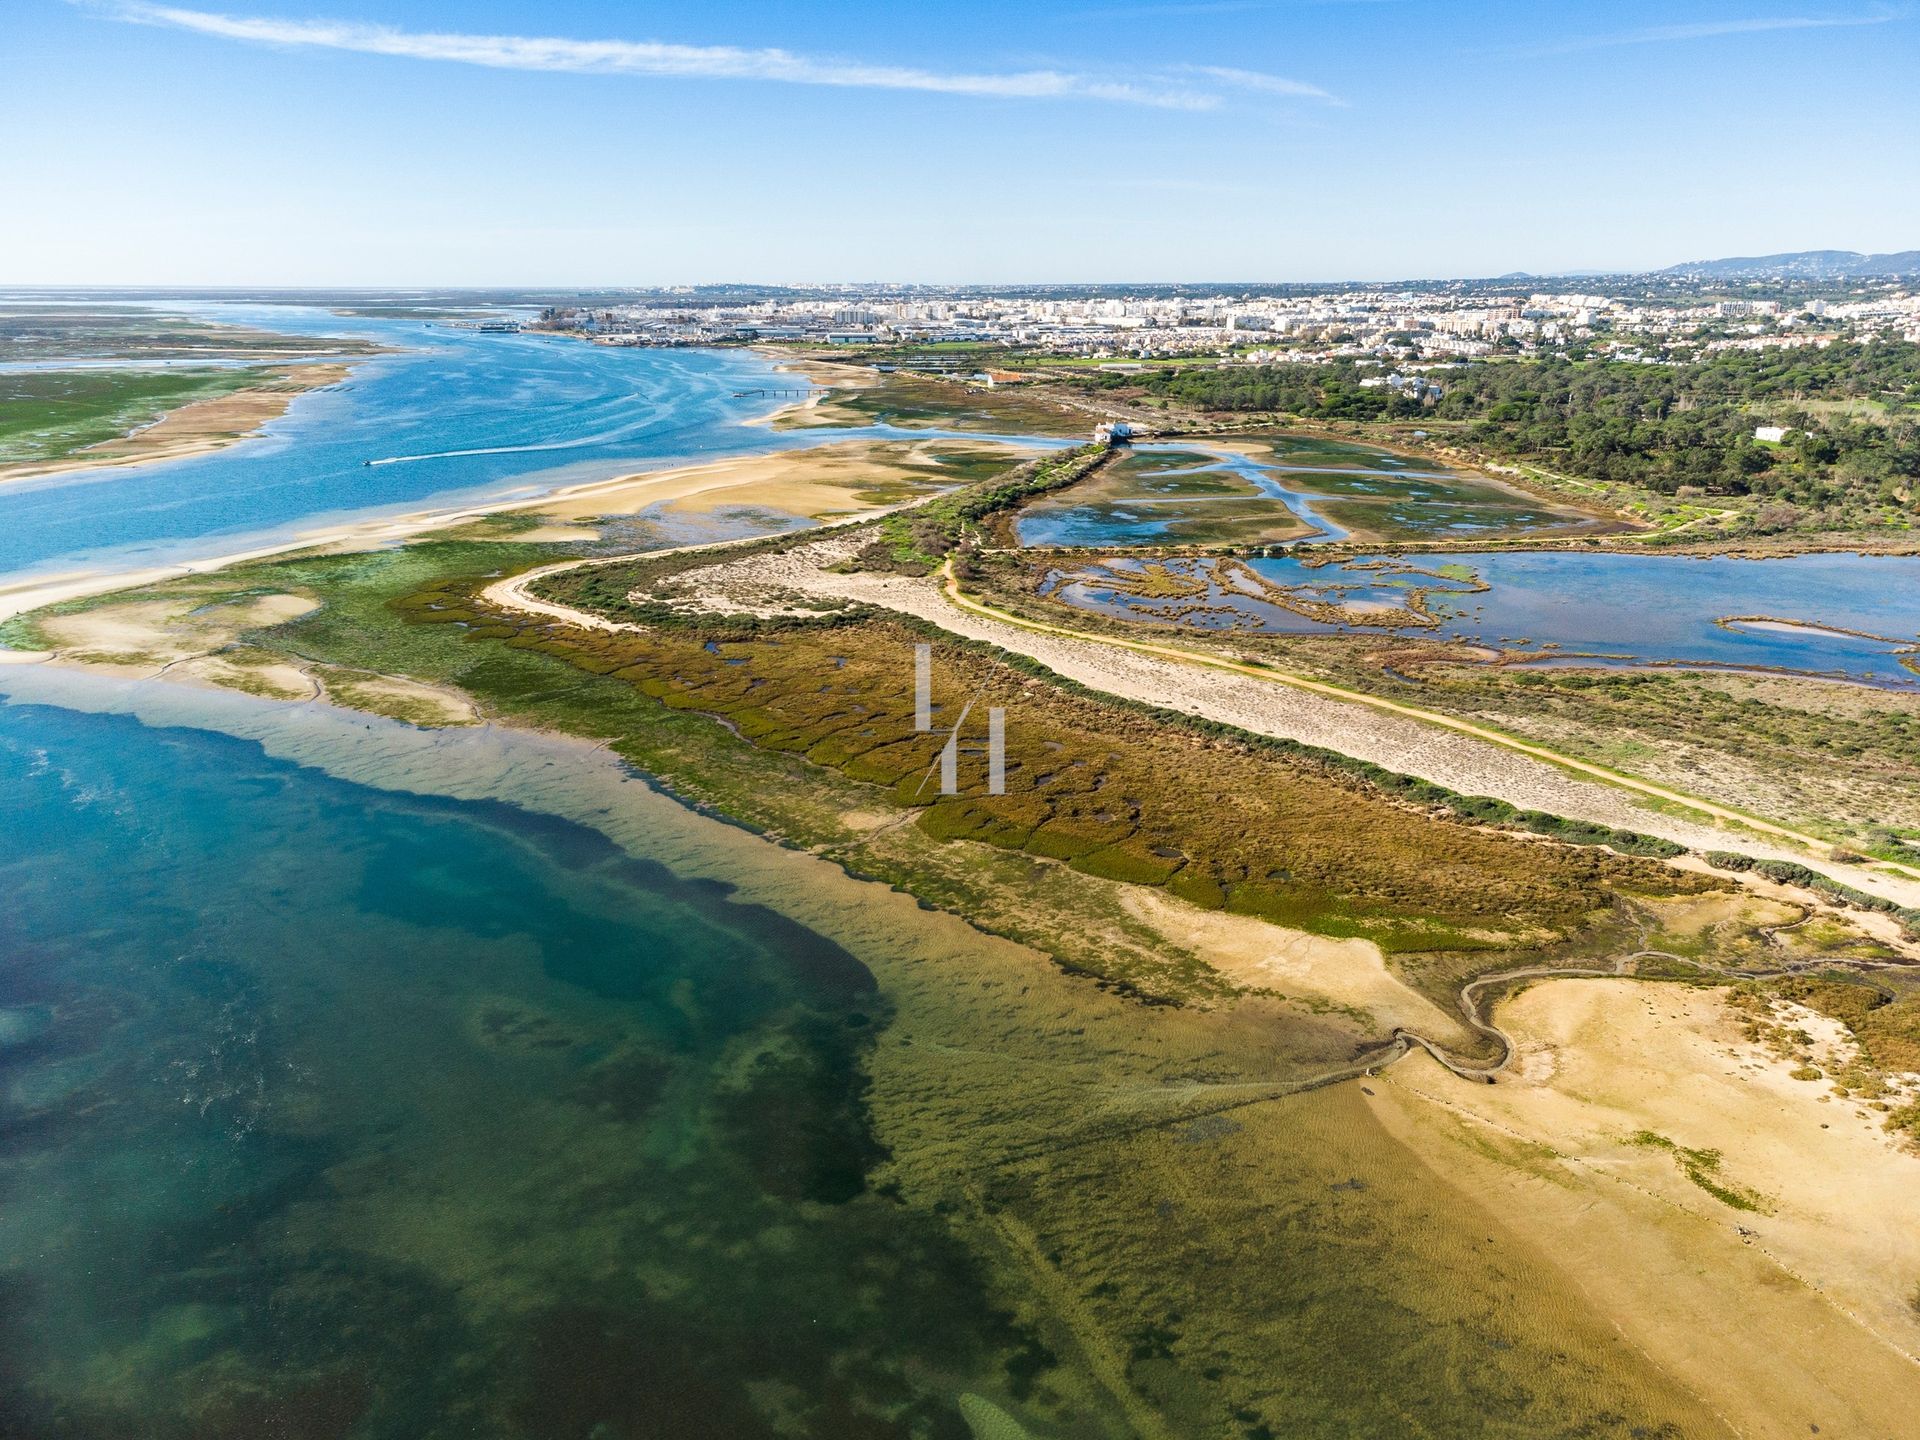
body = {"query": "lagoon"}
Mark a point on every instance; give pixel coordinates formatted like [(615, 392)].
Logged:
[(1568, 606), (1281, 488), (333, 1107)]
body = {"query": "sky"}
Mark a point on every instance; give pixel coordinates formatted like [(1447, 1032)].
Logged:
[(625, 142)]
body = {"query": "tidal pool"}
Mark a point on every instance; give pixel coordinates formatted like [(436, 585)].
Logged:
[(1854, 617), (1269, 489)]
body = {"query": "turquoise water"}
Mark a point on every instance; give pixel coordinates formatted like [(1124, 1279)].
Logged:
[(454, 416), (328, 1108), (1572, 607)]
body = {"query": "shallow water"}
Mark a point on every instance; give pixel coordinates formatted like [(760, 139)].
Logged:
[(1553, 606), (331, 1107), (455, 417), (351, 1085), (1308, 490)]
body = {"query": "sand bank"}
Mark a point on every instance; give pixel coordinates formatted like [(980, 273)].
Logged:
[(829, 373), (1349, 974), (198, 427), (818, 481), (1795, 1314)]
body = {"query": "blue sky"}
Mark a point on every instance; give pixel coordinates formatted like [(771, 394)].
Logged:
[(583, 142)]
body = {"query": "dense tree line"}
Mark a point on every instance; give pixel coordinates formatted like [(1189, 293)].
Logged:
[(1675, 429)]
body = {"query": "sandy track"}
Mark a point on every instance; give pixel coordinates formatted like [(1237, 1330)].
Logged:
[(1452, 753)]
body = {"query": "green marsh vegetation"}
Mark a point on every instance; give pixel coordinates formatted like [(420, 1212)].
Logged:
[(1702, 1167), (918, 542), (916, 401), (94, 332), (51, 414), (1881, 1015)]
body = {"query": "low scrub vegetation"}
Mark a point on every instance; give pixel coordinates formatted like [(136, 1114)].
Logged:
[(1221, 820)]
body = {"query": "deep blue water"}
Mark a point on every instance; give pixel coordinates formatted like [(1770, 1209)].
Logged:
[(456, 414)]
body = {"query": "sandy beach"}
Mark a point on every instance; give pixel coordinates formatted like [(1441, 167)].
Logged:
[(1561, 1150), (197, 428)]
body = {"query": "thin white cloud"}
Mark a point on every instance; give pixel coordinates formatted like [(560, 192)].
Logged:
[(1710, 29), (1260, 81), (706, 62)]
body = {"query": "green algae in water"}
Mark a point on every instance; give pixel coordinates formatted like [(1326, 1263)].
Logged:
[(343, 1112)]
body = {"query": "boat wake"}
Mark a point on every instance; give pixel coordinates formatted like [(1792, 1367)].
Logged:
[(492, 450)]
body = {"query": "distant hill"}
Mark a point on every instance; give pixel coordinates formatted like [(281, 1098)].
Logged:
[(1803, 265)]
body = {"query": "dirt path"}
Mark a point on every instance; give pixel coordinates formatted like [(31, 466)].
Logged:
[(1465, 757), (1355, 697)]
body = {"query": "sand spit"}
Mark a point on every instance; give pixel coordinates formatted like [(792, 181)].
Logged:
[(827, 373), (197, 428), (183, 639), (818, 480), (1579, 1150)]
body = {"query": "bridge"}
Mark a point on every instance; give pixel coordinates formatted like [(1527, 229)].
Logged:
[(780, 394)]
